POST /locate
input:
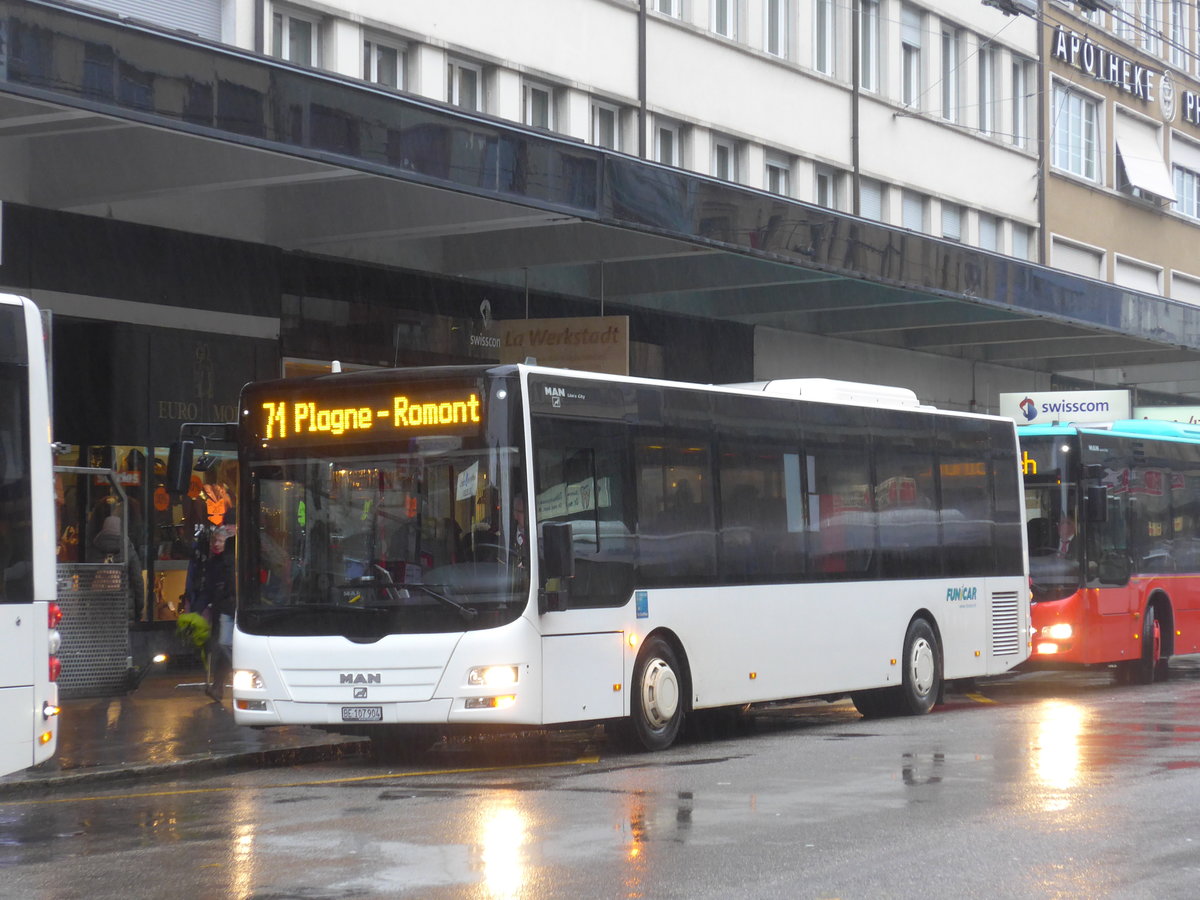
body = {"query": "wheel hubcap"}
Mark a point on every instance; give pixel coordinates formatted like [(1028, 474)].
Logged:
[(660, 693), (922, 668)]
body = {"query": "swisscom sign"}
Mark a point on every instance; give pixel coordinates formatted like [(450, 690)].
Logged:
[(1048, 407)]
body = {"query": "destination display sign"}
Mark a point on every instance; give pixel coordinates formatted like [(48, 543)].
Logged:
[(365, 413)]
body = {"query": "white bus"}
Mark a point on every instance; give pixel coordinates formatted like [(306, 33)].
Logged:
[(689, 548), (29, 615)]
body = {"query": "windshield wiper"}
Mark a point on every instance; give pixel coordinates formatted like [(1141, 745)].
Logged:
[(467, 612), (382, 580)]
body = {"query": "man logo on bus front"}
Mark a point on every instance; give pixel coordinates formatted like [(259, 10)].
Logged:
[(360, 678)]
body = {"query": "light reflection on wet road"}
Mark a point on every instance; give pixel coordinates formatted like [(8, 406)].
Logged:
[(1059, 787)]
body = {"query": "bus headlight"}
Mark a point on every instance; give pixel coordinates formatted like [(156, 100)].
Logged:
[(492, 676), (247, 680), (1061, 631), (1047, 647)]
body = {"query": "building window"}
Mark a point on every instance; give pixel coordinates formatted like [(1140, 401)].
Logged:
[(987, 88), (538, 101), (1151, 26), (724, 162), (951, 41), (870, 199), (777, 176), (606, 126), (868, 49), (666, 144), (989, 232), (1141, 169), (1123, 19), (910, 56), (1020, 241), (828, 187), (1076, 258), (667, 7), (294, 38), (912, 213), (463, 85), (775, 18), (1074, 137), (1179, 56), (384, 64), (824, 35), (725, 18), (1022, 97), (1187, 192), (952, 216)]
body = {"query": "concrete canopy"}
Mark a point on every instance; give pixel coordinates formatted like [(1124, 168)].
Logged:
[(107, 118)]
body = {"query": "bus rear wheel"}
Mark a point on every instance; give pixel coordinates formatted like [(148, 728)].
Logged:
[(657, 706), (922, 674)]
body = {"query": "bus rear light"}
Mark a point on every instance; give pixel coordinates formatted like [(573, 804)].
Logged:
[(55, 641), (49, 710), (55, 666), (54, 615)]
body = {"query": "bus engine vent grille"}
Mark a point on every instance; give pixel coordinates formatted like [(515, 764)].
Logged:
[(1006, 624)]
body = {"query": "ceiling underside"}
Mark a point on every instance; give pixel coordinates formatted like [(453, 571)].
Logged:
[(73, 160)]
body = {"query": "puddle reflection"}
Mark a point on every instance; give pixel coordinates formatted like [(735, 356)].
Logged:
[(502, 843), (1057, 752)]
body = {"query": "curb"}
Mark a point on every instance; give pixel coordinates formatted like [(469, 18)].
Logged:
[(280, 756)]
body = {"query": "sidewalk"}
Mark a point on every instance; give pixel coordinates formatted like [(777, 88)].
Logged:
[(167, 727)]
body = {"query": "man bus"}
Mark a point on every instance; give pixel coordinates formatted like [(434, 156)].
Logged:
[(693, 549), (29, 615)]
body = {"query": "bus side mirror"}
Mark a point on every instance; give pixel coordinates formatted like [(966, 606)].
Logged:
[(558, 565), (1097, 503), (179, 467)]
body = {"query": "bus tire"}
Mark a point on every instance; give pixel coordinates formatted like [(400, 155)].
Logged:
[(656, 709), (921, 683), (1147, 668)]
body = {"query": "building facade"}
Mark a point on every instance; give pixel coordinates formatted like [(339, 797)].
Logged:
[(207, 193)]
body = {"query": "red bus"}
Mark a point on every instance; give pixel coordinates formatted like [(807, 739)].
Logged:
[(1113, 523)]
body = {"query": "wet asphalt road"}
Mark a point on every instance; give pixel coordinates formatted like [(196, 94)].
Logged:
[(1037, 786)]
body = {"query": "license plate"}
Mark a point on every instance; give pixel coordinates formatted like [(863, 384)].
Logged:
[(362, 713)]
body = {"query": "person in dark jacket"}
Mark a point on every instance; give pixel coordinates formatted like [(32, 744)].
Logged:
[(212, 585)]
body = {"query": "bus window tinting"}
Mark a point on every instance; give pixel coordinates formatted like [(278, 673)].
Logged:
[(16, 548), (775, 491), (582, 476)]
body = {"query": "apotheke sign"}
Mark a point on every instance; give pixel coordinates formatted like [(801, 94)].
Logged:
[(1087, 56)]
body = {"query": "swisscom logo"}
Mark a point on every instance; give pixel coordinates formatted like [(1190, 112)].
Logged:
[(1031, 410)]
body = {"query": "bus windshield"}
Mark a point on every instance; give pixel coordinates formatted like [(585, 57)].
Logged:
[(1051, 519), (395, 543)]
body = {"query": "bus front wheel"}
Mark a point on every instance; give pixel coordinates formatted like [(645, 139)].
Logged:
[(657, 705), (1151, 666)]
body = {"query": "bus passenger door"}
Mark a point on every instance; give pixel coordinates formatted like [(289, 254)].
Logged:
[(582, 677)]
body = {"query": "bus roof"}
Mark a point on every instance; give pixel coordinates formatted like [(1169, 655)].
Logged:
[(1149, 428)]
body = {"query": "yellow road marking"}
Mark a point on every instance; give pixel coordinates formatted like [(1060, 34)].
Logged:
[(979, 698), (583, 760)]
